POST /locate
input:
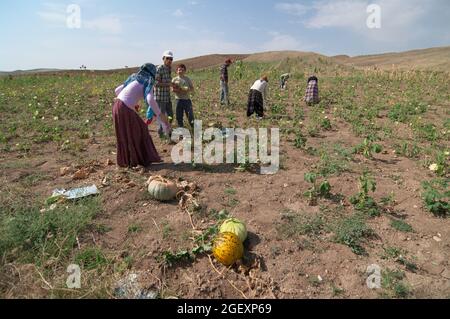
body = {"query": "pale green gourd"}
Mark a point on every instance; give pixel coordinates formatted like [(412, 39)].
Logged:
[(162, 189), (235, 226)]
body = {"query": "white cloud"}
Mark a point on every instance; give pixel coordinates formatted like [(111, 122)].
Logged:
[(52, 17), (178, 13), (292, 8), (193, 3), (53, 13), (343, 13), (106, 24), (282, 42), (398, 17), (56, 14)]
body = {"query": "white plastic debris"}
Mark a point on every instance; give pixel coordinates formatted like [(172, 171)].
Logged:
[(76, 193)]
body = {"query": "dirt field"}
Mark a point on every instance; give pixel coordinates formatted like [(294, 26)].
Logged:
[(394, 125)]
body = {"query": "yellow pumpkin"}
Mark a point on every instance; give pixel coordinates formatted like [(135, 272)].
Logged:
[(162, 189), (227, 248)]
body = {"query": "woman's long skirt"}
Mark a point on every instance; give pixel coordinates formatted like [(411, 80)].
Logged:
[(134, 144), (255, 103)]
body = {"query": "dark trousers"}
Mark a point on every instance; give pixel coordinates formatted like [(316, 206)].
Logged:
[(185, 107), (255, 103)]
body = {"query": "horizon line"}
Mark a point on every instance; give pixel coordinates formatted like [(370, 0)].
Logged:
[(51, 69)]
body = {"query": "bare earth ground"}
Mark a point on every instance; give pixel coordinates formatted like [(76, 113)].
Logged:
[(289, 265), (300, 266)]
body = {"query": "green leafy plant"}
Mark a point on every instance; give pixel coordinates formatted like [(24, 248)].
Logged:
[(401, 226), (392, 282), (326, 124), (362, 201), (170, 259), (435, 199), (441, 160), (300, 140), (202, 243), (317, 190), (402, 112), (407, 150), (352, 231), (91, 258), (368, 147), (239, 70), (332, 163)]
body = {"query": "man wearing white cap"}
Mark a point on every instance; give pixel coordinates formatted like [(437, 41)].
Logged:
[(162, 88)]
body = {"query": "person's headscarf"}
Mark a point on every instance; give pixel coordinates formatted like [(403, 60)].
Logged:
[(313, 78), (145, 77)]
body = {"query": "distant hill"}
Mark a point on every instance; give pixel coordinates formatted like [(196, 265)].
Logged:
[(24, 72), (207, 61), (425, 59), (273, 56)]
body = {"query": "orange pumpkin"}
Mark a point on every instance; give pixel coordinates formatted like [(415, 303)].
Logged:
[(227, 248)]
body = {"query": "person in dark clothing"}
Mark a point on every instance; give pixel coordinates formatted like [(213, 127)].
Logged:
[(224, 90)]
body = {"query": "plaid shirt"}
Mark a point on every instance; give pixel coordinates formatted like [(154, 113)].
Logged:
[(163, 75), (224, 72), (312, 92)]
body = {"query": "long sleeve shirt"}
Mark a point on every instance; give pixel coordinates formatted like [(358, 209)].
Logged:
[(132, 94), (261, 86), (224, 73)]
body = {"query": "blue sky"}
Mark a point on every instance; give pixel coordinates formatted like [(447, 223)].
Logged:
[(115, 33)]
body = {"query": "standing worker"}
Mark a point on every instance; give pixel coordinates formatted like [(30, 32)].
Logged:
[(163, 86), (224, 91)]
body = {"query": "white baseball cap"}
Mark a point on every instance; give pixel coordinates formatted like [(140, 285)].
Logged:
[(168, 54)]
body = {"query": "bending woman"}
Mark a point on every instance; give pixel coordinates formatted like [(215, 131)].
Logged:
[(257, 97), (134, 144)]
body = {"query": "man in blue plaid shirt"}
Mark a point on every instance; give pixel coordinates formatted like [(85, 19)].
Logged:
[(162, 88)]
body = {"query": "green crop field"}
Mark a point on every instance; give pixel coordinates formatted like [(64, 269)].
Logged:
[(363, 179)]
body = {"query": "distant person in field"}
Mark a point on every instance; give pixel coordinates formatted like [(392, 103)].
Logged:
[(134, 144), (163, 86), (224, 89), (283, 80), (257, 97), (312, 91), (183, 88)]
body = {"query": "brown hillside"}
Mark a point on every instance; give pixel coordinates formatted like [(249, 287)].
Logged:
[(207, 61), (427, 59), (280, 55)]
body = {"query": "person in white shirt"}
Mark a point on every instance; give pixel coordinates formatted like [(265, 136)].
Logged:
[(257, 97)]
